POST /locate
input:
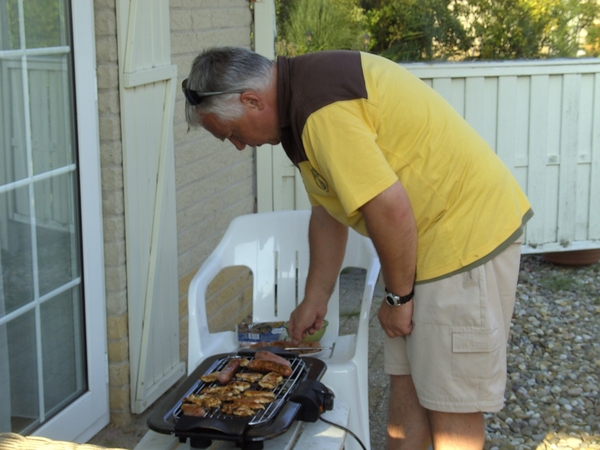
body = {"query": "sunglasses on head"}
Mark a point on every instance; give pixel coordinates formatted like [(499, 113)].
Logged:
[(194, 98)]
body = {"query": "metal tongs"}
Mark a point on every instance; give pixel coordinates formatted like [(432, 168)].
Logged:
[(306, 349)]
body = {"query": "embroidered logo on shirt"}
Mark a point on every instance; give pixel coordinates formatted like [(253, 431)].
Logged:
[(319, 180)]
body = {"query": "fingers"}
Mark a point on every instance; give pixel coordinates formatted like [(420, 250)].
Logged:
[(297, 332), (298, 336), (317, 326), (305, 320), (295, 335), (395, 332)]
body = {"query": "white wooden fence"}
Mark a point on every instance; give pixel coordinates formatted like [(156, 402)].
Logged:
[(542, 118)]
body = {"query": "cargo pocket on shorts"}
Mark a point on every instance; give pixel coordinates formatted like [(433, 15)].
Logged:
[(476, 353)]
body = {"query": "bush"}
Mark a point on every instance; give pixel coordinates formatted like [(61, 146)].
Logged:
[(315, 25)]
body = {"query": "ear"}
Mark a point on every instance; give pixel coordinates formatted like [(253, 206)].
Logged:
[(252, 100)]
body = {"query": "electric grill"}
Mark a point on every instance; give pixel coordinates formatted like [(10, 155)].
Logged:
[(301, 396)]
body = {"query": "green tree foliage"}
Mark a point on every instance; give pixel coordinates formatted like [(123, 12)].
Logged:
[(418, 30), (514, 29), (568, 20), (505, 29), (414, 30), (314, 25), (593, 41)]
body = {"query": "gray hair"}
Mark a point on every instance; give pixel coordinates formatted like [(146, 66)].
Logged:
[(225, 69)]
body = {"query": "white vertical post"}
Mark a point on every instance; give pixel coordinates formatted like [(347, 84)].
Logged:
[(265, 31)]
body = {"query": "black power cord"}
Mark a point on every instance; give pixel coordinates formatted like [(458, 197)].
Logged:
[(345, 429)]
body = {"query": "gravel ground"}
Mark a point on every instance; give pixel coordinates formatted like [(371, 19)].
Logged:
[(552, 399)]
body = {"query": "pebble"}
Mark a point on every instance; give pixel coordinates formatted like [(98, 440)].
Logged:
[(552, 390)]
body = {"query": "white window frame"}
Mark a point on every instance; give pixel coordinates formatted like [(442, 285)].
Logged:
[(88, 414)]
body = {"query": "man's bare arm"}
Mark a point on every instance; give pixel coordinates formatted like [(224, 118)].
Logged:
[(327, 240), (392, 228)]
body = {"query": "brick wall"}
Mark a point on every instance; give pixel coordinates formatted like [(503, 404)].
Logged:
[(229, 299), (113, 209), (214, 182)]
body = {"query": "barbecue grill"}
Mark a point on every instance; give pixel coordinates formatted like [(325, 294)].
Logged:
[(300, 396)]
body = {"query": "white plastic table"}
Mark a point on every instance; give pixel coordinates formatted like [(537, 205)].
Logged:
[(301, 436)]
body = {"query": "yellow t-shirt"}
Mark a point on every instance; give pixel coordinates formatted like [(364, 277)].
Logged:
[(465, 200)]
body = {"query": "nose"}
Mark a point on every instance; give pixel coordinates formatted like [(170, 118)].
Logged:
[(237, 143)]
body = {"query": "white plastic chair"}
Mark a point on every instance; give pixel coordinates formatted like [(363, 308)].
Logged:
[(274, 246)]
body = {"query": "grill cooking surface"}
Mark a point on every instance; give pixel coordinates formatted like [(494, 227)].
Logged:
[(276, 417), (282, 392)]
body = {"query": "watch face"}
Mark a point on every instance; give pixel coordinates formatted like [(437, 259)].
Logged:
[(397, 300), (391, 300)]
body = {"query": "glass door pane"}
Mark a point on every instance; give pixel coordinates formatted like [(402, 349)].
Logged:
[(42, 342)]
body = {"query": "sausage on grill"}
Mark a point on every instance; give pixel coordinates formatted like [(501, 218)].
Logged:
[(266, 366), (190, 409), (229, 371), (270, 356)]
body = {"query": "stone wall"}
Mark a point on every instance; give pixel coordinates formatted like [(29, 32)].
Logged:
[(214, 182)]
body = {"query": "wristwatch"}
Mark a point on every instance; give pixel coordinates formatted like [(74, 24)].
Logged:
[(398, 300)]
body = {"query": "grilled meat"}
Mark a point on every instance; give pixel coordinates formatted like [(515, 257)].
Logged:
[(270, 380), (266, 366), (210, 378), (230, 369), (239, 386), (237, 410), (250, 377), (249, 402), (249, 387), (267, 394), (270, 356), (190, 409), (204, 400), (258, 399), (226, 390)]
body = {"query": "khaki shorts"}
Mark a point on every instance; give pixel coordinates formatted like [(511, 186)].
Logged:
[(456, 352)]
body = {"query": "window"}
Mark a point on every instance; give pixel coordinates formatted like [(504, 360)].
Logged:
[(42, 338)]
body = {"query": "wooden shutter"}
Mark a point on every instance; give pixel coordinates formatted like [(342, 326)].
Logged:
[(147, 96)]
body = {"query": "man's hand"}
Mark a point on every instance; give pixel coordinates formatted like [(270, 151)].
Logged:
[(396, 320), (305, 319)]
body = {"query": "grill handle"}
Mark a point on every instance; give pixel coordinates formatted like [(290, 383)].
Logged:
[(280, 425), (191, 424)]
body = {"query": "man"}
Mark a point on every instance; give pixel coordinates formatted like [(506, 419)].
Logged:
[(381, 152)]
